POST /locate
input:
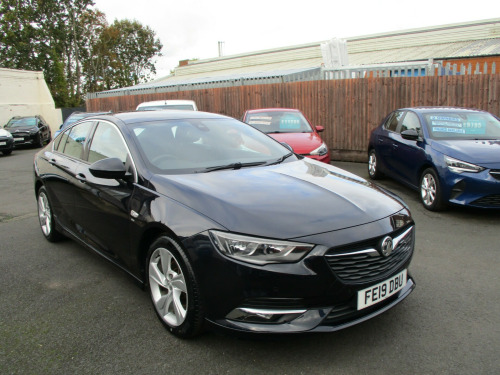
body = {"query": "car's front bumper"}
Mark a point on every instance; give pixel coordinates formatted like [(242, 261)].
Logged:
[(323, 158), (324, 319), (26, 139), (307, 296), (474, 189), (6, 143)]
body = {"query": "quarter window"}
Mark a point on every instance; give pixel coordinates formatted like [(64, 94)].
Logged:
[(107, 143), (411, 122), (393, 120)]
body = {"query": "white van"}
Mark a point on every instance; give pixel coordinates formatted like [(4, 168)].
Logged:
[(158, 105)]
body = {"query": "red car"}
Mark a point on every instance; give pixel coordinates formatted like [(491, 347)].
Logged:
[(290, 126)]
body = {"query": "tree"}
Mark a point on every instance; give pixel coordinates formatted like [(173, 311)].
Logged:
[(124, 55), (75, 48)]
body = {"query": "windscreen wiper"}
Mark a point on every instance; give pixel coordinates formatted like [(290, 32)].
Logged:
[(281, 159), (236, 165)]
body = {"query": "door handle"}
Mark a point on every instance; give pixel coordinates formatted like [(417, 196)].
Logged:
[(81, 177)]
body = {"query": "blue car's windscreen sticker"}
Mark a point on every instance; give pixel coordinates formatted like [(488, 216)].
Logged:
[(458, 125)]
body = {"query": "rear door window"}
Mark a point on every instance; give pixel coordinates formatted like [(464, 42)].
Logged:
[(73, 140)]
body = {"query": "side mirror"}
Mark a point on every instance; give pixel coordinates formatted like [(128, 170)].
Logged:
[(110, 168), (320, 128), (410, 135)]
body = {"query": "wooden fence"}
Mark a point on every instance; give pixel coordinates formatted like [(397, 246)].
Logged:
[(349, 109)]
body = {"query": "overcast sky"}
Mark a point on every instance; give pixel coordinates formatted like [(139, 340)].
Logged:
[(192, 28)]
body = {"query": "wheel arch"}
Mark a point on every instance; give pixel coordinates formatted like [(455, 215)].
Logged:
[(38, 185), (150, 235)]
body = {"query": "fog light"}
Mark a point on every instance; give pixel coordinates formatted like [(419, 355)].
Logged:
[(264, 316), (457, 189)]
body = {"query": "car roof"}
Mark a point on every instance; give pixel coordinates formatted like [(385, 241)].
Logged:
[(146, 116), (88, 114), (272, 110), (166, 101), (441, 109)]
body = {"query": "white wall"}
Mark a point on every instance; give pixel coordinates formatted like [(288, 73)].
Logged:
[(25, 93)]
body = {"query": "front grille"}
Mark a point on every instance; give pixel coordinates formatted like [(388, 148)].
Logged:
[(357, 267), (495, 173), (488, 201)]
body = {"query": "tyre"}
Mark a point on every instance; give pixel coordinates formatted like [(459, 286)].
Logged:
[(40, 141), (7, 152), (173, 288), (373, 171), (430, 190), (46, 217)]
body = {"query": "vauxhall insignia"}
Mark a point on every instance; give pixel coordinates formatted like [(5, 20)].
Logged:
[(386, 246)]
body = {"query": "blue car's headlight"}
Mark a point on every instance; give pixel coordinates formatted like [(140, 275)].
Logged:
[(258, 250), (459, 166), (321, 150)]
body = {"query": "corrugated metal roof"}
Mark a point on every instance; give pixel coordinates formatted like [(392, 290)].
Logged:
[(477, 38), (304, 56), (472, 31), (435, 51)]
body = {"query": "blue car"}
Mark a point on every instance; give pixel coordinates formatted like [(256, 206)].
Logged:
[(452, 155), (74, 117)]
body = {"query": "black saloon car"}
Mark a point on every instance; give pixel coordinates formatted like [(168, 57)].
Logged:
[(224, 225), (29, 130)]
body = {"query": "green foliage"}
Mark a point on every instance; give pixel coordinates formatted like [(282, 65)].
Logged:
[(123, 56), (75, 47)]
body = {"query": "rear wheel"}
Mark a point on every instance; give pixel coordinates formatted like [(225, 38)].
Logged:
[(46, 217), (373, 171), (430, 190), (7, 152), (173, 288)]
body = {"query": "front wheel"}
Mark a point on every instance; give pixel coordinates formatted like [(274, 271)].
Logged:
[(173, 288), (40, 141), (46, 217), (373, 170), (430, 191)]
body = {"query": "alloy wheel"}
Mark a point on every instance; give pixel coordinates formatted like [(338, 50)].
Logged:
[(168, 287), (44, 214), (428, 189), (372, 164)]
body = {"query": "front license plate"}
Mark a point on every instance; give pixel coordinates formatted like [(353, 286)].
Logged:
[(18, 139), (3, 143), (381, 291)]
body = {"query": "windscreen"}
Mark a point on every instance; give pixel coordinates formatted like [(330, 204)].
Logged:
[(279, 122), (20, 122), (463, 125), (199, 145)]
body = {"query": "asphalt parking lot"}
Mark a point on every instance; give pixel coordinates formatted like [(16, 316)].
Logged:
[(65, 310)]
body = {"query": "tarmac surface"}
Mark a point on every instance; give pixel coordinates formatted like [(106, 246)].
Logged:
[(65, 310)]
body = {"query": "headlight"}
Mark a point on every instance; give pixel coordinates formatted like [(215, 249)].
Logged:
[(5, 133), (459, 166), (321, 150), (258, 250)]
